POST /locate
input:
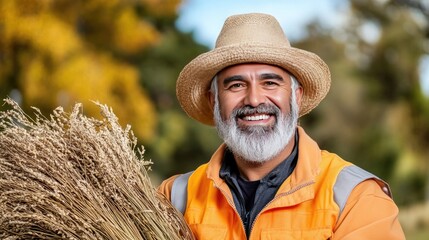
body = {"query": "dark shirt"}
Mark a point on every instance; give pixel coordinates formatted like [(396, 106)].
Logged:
[(248, 189), (250, 197)]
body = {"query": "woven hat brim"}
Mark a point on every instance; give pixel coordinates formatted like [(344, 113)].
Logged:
[(194, 80)]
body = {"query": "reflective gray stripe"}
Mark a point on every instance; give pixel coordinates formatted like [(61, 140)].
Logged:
[(348, 179), (179, 192)]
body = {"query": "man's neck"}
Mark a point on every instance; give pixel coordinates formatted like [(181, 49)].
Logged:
[(253, 171)]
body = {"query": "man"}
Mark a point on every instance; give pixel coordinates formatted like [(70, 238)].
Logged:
[(270, 180)]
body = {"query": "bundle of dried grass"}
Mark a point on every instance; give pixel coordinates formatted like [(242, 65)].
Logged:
[(73, 177)]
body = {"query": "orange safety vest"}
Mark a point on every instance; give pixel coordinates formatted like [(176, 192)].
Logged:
[(306, 206)]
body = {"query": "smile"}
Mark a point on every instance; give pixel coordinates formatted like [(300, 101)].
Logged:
[(256, 117)]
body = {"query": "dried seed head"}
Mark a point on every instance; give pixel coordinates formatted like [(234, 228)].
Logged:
[(70, 176)]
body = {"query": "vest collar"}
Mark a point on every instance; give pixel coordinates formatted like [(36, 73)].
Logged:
[(306, 170)]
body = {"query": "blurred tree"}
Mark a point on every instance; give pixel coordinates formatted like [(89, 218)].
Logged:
[(180, 143), (393, 74), (377, 115), (61, 52)]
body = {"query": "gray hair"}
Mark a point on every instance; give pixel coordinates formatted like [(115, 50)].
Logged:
[(257, 144)]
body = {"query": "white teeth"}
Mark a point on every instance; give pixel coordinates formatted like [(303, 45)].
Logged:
[(256, 118)]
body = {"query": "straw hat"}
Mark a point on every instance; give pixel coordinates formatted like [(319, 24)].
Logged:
[(250, 38)]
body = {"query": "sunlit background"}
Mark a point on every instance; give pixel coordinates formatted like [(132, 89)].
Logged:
[(127, 54)]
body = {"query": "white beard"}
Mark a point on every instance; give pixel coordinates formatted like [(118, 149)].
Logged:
[(257, 144)]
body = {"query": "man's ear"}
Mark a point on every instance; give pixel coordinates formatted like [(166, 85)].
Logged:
[(298, 93), (211, 97)]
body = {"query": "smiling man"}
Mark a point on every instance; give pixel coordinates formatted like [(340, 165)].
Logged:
[(270, 180), (260, 114)]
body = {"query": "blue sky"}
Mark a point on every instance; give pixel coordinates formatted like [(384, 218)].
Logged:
[(206, 17)]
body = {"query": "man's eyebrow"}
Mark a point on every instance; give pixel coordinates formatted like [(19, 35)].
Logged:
[(265, 76), (232, 79)]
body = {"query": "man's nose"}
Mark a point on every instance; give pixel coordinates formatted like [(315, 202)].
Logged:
[(254, 96)]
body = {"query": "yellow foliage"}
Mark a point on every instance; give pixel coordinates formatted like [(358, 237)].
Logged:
[(162, 7), (57, 62), (131, 33), (109, 4), (91, 77), (34, 80), (42, 30), (101, 78)]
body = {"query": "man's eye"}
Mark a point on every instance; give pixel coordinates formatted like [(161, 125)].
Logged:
[(270, 83), (236, 85)]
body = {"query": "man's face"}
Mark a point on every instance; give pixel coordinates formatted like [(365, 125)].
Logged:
[(252, 85), (253, 112)]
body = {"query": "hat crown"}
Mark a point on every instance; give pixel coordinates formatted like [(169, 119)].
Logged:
[(252, 28)]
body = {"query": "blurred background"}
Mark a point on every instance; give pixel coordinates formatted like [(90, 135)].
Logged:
[(128, 53)]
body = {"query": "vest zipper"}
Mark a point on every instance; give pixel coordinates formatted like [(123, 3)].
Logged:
[(277, 197), (231, 203), (241, 200)]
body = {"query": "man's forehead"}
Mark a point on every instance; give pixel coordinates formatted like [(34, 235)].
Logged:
[(243, 68)]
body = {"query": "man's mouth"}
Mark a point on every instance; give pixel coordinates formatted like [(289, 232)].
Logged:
[(259, 119), (261, 115), (256, 117)]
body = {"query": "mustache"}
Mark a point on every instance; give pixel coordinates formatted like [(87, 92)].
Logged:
[(264, 108)]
